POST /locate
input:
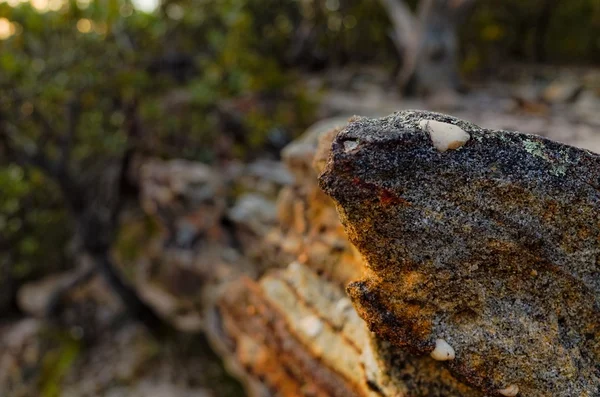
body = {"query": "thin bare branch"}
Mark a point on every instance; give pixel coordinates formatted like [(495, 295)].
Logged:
[(408, 33), (410, 61), (73, 116), (404, 25), (124, 185)]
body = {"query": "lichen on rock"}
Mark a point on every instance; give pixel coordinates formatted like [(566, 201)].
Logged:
[(493, 248)]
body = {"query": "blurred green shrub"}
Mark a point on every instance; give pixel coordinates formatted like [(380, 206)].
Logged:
[(33, 230), (560, 32), (75, 81), (204, 79)]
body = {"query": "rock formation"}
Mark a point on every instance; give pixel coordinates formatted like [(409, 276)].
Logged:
[(480, 244), (465, 264), (294, 331)]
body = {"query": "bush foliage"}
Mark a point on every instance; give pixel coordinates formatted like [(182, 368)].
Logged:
[(204, 80)]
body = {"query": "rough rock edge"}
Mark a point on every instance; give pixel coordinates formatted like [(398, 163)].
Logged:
[(318, 317), (266, 331), (349, 178)]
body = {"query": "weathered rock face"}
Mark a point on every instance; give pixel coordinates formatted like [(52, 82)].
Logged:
[(490, 243), (297, 333), (294, 332)]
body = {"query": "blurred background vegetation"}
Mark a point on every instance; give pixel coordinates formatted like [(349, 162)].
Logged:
[(83, 81), (209, 80)]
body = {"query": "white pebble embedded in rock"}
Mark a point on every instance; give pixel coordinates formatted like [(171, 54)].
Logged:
[(443, 351), (444, 136), (350, 146), (312, 326), (509, 391)]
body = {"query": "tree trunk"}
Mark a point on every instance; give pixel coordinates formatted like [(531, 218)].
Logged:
[(137, 308), (427, 42)]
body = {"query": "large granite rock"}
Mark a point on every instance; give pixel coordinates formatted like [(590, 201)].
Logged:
[(294, 332), (481, 244)]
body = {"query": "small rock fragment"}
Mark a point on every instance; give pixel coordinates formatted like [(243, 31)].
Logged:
[(312, 326), (444, 135), (443, 351), (350, 145), (509, 391)]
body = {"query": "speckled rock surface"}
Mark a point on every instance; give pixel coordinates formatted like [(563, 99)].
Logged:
[(294, 332), (492, 246)]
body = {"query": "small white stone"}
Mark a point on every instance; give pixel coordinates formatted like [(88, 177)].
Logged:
[(342, 305), (444, 136), (312, 326), (443, 351), (350, 145), (509, 391)]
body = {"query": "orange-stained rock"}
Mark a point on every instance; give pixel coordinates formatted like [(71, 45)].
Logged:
[(491, 247)]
